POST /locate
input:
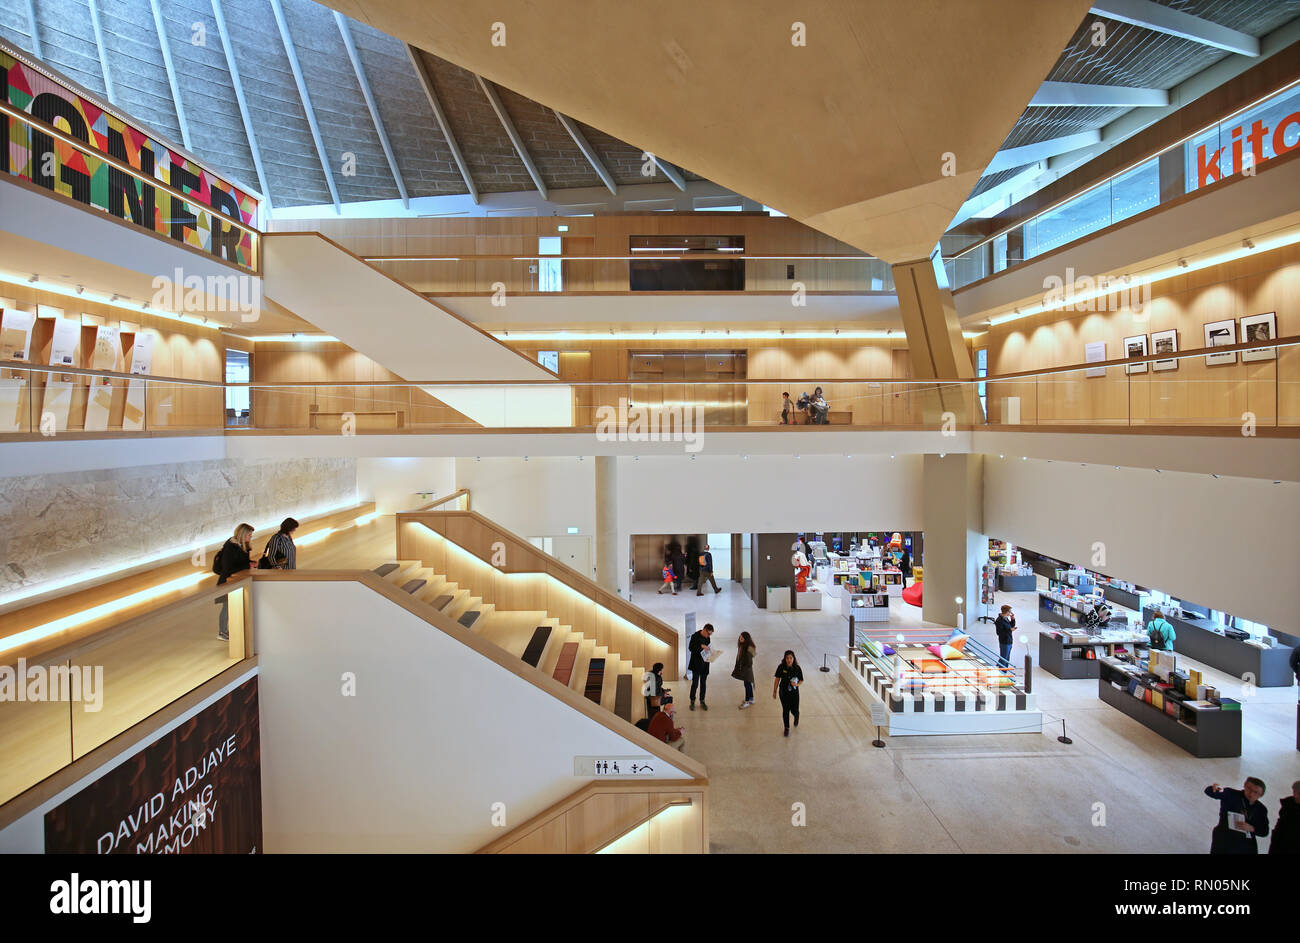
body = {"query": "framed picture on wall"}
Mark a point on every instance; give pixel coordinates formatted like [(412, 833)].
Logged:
[(1259, 327), (1164, 342), (1094, 353), (1221, 334), (1135, 347)]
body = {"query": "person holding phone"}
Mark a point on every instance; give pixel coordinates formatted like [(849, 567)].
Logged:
[(786, 683)]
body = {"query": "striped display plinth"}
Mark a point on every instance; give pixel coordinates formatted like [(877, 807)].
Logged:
[(915, 710)]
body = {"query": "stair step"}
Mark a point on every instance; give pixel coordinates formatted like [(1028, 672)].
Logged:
[(468, 618), (595, 679), (441, 602), (384, 569), (623, 698), (564, 666), (537, 645), (412, 585)]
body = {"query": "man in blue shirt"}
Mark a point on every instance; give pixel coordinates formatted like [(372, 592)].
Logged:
[(1242, 818)]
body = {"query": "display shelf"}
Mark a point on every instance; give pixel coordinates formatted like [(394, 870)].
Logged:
[(891, 581), (1123, 597), (1059, 610), (1197, 638), (1008, 583), (865, 607), (1212, 732), (1065, 659)]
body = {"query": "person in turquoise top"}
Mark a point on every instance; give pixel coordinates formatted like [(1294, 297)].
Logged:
[(1161, 633)]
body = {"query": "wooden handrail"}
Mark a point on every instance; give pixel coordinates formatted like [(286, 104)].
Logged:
[(451, 497), (544, 563), (594, 788), (500, 656)]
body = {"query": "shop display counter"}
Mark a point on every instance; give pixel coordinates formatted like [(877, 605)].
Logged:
[(865, 607), (891, 581), (1010, 583), (1124, 597), (1198, 638), (1064, 611), (1201, 728), (1066, 657)]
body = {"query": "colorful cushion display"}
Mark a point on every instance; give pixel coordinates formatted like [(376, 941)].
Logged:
[(950, 651), (889, 651), (933, 650), (871, 647), (958, 640)]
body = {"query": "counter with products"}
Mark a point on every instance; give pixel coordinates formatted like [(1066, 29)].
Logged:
[(865, 607), (1076, 654), (1017, 579), (1057, 609), (1123, 596), (1204, 727), (1203, 639)]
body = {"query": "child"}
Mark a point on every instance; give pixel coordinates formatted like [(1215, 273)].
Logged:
[(787, 409), (670, 578)]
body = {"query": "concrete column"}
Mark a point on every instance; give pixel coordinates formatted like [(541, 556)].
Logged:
[(607, 555), (952, 509)]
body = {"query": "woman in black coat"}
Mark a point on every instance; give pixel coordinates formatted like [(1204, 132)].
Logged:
[(1286, 833), (235, 556)]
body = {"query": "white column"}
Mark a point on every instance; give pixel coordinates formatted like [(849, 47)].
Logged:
[(607, 569)]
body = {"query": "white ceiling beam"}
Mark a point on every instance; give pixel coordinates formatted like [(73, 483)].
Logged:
[(36, 35), (998, 194), (1163, 19), (589, 152), (426, 83), (1074, 94), (292, 54), (504, 117), (245, 115), (171, 74), (671, 172), (98, 30), (360, 72), (1032, 153)]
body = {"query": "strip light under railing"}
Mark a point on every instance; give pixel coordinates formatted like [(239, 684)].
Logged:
[(112, 301)]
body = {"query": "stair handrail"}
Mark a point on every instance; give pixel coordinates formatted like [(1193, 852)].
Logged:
[(580, 583)]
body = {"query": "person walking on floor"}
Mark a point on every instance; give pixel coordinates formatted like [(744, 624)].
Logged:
[(679, 566), (235, 556), (905, 566), (699, 663), (281, 545), (1006, 628), (1242, 818), (744, 670), (670, 578), (1286, 834), (1161, 633), (706, 572), (786, 682)]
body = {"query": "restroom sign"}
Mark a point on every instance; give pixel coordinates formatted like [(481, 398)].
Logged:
[(616, 767)]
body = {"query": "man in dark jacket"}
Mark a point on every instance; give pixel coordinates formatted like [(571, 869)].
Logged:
[(1240, 806), (699, 663), (679, 565), (1006, 626), (1286, 834)]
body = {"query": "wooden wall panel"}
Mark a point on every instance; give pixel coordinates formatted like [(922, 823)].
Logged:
[(1194, 394)]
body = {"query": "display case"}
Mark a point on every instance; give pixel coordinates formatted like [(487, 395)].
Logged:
[(1204, 640), (1202, 728), (1055, 609), (865, 607), (1073, 655), (890, 581)]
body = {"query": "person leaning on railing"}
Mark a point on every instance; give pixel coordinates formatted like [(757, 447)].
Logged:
[(235, 556), (281, 545)]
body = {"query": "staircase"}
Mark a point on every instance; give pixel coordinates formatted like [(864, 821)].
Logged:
[(535, 636)]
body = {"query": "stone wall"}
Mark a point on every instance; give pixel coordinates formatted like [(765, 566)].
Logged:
[(76, 524)]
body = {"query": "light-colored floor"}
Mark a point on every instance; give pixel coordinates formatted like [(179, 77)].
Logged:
[(1118, 788)]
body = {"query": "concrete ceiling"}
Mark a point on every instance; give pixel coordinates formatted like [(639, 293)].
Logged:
[(849, 133)]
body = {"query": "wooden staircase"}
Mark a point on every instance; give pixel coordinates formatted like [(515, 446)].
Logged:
[(534, 636)]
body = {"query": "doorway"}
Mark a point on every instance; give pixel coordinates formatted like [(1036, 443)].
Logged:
[(239, 369)]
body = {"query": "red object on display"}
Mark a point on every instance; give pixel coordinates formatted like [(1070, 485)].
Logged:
[(801, 579), (912, 595)]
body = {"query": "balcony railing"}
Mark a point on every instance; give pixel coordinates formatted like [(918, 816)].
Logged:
[(1218, 389)]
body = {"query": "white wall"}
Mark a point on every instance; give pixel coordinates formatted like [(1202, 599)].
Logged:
[(1228, 543), (540, 497), (435, 734), (392, 483)]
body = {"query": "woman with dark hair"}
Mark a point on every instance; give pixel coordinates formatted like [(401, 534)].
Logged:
[(281, 545), (744, 670), (787, 679), (654, 689)]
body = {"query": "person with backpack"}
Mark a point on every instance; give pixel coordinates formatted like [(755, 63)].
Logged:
[(786, 682), (1161, 633), (669, 576), (281, 545), (706, 572), (744, 669), (699, 664), (235, 556)]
